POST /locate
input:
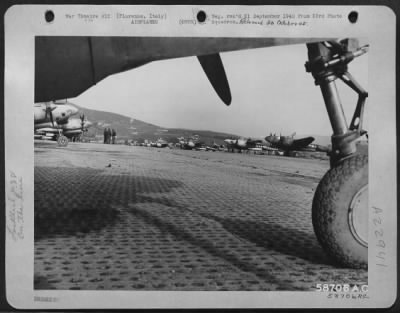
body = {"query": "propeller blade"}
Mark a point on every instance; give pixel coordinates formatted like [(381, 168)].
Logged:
[(51, 117), (82, 117), (46, 111), (214, 69), (49, 113)]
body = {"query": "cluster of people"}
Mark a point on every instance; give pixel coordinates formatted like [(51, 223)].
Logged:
[(109, 135)]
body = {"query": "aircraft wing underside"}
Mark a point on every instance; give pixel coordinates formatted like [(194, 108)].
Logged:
[(67, 66)]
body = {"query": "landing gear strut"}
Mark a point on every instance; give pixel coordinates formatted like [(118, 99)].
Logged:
[(340, 205)]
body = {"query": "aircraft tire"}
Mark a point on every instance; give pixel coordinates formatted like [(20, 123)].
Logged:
[(340, 212), (62, 141)]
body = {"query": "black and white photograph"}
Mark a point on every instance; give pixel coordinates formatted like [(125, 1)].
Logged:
[(202, 163), (183, 195)]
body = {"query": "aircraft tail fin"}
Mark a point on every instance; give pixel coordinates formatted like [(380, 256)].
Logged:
[(214, 69)]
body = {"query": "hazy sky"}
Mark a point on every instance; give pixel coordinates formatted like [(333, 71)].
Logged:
[(271, 92)]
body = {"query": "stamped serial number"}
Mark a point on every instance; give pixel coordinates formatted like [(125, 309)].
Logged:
[(341, 288)]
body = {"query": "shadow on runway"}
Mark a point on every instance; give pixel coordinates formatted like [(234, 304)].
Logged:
[(295, 246), (272, 236), (70, 201), (214, 246), (72, 222)]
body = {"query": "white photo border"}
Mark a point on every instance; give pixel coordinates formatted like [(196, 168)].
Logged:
[(24, 22)]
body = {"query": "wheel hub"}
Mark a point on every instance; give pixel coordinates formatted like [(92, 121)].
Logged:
[(62, 141), (358, 216)]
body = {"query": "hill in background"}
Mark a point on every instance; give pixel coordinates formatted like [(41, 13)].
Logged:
[(136, 130)]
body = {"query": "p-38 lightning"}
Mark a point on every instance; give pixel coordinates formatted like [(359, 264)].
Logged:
[(241, 144), (52, 120), (66, 66), (191, 143), (288, 144)]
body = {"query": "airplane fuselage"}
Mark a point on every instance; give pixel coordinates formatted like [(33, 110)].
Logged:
[(288, 143), (240, 144), (61, 112), (71, 128)]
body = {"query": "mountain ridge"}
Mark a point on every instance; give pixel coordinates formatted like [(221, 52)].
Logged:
[(131, 129)]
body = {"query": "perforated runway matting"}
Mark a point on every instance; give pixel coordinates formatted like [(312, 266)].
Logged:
[(133, 218)]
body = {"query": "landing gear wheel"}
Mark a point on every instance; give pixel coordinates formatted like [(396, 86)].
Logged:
[(62, 141), (340, 212)]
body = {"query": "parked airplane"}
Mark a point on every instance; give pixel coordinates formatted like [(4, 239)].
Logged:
[(215, 147), (72, 128), (66, 66), (160, 143), (54, 111), (288, 143), (191, 143), (322, 148), (243, 144), (52, 115)]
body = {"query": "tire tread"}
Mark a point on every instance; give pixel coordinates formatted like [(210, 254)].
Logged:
[(324, 211)]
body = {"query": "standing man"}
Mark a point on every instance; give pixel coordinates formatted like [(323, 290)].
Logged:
[(105, 135), (108, 135), (114, 134)]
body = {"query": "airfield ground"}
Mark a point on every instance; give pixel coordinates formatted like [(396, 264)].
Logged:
[(117, 217)]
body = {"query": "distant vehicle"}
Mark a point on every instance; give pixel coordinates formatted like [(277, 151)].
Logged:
[(288, 143)]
